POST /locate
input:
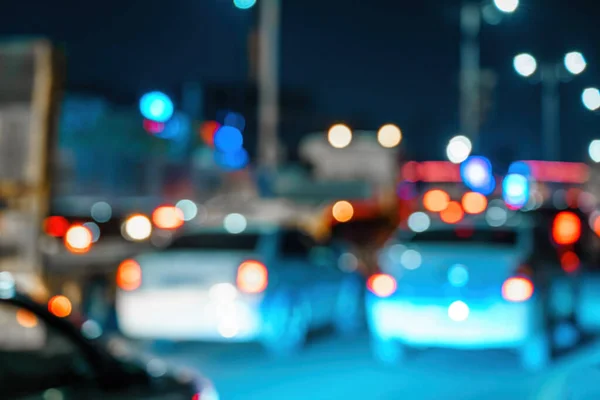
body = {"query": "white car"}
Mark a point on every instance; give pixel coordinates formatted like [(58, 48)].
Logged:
[(461, 286), (268, 284)]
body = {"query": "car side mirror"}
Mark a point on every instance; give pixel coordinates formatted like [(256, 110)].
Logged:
[(322, 256)]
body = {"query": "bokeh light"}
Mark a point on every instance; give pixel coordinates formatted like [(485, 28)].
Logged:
[(244, 4), (156, 106), (525, 64), (208, 130), (60, 306), (167, 217), (575, 62), (342, 211), (26, 318), (419, 222), (566, 228), (232, 160), (476, 173), (515, 190), (188, 208), (137, 227), (436, 200), (339, 136), (453, 213), (389, 136), (78, 239), (235, 223), (56, 226), (458, 149), (228, 139), (94, 230), (101, 211), (474, 203), (507, 6), (590, 98)]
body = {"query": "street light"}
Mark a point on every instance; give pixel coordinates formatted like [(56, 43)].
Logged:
[(591, 99), (471, 14), (389, 136), (550, 75)]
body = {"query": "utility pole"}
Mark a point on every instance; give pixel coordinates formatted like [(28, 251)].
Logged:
[(268, 82)]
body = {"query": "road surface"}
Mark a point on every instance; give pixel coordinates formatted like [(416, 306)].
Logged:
[(342, 368)]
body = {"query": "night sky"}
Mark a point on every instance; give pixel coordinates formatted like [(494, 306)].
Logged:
[(385, 60)]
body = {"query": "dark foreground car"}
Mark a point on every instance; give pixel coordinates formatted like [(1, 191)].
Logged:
[(46, 357)]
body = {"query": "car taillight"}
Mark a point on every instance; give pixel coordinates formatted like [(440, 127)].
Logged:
[(517, 289), (382, 285), (129, 275), (252, 277)]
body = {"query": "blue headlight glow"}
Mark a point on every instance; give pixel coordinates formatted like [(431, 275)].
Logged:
[(476, 173)]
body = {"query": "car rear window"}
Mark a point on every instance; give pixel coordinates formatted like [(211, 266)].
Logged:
[(215, 241), (466, 236)]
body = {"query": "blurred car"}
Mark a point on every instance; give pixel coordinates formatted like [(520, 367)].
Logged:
[(465, 286), (268, 283), (43, 356)]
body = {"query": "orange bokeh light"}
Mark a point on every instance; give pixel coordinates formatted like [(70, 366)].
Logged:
[(566, 228), (129, 275), (596, 225), (342, 211), (60, 306), (436, 200), (453, 213), (78, 239), (26, 319), (167, 217), (474, 203)]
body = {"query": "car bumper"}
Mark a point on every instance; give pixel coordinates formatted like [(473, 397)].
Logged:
[(420, 322), (188, 314)]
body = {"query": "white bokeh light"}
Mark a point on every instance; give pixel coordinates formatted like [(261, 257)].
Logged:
[(339, 136), (575, 62), (188, 208), (507, 6), (411, 259), (591, 99), (138, 227), (458, 311), (419, 222), (525, 64), (459, 148), (389, 136), (235, 223), (594, 150)]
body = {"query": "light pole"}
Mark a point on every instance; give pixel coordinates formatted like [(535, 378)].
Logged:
[(470, 68), (550, 75)]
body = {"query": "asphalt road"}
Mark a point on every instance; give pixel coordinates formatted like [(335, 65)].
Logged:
[(342, 368)]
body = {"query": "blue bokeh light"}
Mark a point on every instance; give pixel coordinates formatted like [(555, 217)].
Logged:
[(476, 173), (232, 160), (458, 276), (228, 139), (236, 120), (519, 167), (244, 4), (515, 190), (156, 106)]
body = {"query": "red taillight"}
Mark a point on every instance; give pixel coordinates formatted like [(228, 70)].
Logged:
[(517, 289), (382, 285), (252, 277), (129, 275)]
